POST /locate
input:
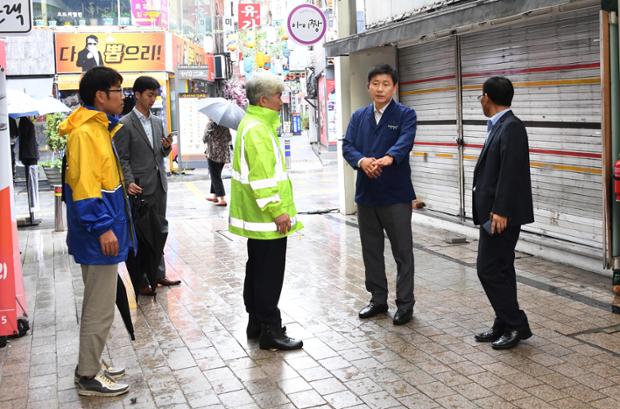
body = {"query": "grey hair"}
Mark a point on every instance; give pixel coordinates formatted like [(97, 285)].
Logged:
[(262, 85)]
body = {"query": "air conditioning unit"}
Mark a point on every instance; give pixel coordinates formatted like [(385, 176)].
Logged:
[(221, 67)]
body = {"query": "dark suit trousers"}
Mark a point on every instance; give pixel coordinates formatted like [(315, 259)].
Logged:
[(496, 271), (396, 221), (264, 276), (159, 201)]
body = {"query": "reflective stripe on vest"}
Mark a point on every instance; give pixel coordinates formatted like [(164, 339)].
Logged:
[(261, 183), (256, 227), (265, 201)]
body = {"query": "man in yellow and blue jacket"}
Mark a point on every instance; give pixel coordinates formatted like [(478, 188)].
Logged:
[(262, 209), (99, 227)]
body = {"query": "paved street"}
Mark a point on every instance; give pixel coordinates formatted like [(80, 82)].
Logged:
[(191, 349)]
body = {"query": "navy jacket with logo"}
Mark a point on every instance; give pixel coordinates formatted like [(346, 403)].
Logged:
[(393, 136)]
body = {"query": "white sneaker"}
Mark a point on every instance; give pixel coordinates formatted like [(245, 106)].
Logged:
[(101, 385), (111, 372)]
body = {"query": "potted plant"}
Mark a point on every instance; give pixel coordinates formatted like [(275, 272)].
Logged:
[(57, 144)]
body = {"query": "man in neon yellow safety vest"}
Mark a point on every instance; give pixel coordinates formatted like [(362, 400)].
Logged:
[(262, 209)]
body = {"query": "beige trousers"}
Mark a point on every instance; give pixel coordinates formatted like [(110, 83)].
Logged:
[(97, 315)]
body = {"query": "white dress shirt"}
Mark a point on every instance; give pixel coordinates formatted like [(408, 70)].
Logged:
[(378, 115), (146, 125)]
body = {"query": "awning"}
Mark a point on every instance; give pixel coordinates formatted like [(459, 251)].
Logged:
[(443, 20), (72, 81), (34, 87)]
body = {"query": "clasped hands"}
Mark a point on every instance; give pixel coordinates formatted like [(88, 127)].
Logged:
[(373, 167)]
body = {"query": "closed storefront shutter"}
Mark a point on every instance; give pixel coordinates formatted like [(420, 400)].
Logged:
[(428, 85), (553, 63)]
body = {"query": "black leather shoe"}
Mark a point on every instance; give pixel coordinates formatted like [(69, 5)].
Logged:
[(274, 338), (511, 338), (167, 282), (402, 317), (490, 335), (372, 309)]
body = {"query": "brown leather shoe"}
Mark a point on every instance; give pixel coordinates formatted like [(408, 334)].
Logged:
[(148, 291), (167, 282)]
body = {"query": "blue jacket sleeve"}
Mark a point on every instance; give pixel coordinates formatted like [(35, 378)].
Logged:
[(400, 150), (349, 150), (94, 215)]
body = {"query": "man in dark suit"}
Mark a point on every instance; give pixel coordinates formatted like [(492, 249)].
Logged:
[(378, 142), (141, 147), (90, 56), (502, 202)]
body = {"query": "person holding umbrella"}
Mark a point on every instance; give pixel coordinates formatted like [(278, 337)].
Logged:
[(262, 209), (99, 232)]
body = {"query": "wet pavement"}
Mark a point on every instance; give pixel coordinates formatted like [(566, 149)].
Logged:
[(191, 350)]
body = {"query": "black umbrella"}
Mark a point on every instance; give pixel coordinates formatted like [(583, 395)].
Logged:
[(151, 232), (122, 303)]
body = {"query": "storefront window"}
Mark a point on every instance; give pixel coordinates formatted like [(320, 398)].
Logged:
[(81, 12)]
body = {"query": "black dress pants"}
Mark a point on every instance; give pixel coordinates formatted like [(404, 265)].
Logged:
[(264, 276), (496, 271)]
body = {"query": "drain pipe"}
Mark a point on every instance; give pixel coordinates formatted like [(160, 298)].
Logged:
[(615, 140)]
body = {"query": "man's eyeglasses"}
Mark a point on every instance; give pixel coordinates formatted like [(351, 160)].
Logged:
[(89, 43), (115, 90)]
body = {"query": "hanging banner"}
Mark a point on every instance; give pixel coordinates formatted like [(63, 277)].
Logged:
[(79, 52), (12, 300)]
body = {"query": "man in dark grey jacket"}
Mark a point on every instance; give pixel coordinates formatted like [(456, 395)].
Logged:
[(141, 147)]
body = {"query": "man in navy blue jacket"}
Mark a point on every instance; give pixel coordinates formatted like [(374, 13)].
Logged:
[(378, 142)]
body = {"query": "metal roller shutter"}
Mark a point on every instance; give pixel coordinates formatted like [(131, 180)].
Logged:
[(553, 63), (428, 85)]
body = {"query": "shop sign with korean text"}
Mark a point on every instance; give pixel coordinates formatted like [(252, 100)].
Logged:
[(15, 17), (249, 15), (79, 52), (306, 24)]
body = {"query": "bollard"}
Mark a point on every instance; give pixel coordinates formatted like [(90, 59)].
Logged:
[(59, 224), (287, 152)]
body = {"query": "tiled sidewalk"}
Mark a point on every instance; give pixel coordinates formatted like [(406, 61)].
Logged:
[(191, 349)]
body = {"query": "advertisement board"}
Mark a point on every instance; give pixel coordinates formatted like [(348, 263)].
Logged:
[(79, 52)]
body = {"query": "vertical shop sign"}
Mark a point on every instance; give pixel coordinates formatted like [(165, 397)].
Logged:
[(249, 15)]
